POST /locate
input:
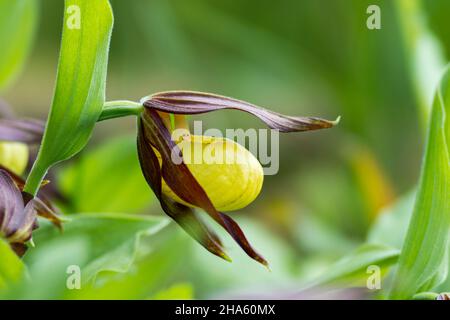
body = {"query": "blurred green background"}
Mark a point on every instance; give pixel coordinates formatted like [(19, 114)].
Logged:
[(307, 58)]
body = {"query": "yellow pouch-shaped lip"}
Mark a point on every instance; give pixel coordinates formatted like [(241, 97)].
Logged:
[(230, 175)]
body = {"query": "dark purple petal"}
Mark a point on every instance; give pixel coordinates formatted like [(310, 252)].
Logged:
[(184, 216), (11, 202), (182, 182), (18, 180), (26, 131), (45, 210), (189, 102)]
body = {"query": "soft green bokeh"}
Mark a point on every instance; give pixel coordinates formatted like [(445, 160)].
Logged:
[(80, 85)]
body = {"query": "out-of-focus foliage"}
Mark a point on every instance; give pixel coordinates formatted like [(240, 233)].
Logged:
[(18, 21), (107, 179), (94, 243), (346, 193), (11, 267), (423, 263), (80, 85)]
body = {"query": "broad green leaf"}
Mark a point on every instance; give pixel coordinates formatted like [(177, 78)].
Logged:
[(107, 242), (80, 86), (107, 179), (11, 267), (17, 24), (162, 259), (352, 269), (426, 244)]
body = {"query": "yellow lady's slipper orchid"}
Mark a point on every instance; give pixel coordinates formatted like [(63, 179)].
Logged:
[(19, 212), (14, 156)]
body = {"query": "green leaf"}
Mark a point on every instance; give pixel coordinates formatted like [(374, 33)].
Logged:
[(426, 245), (107, 179), (80, 86), (109, 242), (17, 24), (11, 267), (353, 268)]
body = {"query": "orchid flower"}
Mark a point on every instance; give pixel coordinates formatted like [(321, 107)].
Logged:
[(182, 187)]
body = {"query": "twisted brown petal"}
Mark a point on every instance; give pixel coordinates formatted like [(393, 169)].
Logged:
[(190, 102), (181, 181), (183, 215)]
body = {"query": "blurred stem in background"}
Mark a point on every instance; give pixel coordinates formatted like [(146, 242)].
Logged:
[(423, 262)]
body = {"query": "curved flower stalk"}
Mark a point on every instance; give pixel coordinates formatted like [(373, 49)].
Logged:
[(19, 212), (176, 185)]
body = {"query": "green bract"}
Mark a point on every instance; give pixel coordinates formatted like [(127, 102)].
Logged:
[(80, 86), (425, 249)]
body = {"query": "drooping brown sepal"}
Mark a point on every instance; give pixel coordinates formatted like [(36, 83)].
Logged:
[(154, 133)]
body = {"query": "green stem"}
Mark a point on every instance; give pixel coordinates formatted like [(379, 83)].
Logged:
[(120, 108), (111, 110)]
